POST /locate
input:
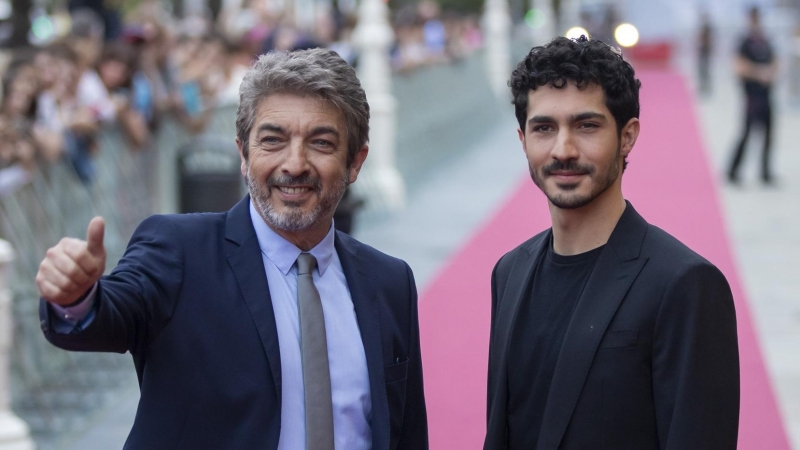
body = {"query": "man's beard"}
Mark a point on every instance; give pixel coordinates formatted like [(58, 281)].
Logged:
[(295, 219), (575, 201)]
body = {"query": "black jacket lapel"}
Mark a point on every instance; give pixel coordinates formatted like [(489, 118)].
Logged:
[(617, 267), (364, 295), (510, 297), (244, 257)]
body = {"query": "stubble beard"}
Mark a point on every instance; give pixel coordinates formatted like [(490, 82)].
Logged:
[(574, 201), (295, 219)]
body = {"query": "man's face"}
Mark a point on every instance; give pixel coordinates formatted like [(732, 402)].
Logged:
[(571, 142), (296, 169)]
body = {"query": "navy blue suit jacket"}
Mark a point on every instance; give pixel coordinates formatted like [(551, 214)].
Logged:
[(189, 300)]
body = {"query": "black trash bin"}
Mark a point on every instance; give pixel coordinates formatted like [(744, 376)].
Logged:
[(209, 176)]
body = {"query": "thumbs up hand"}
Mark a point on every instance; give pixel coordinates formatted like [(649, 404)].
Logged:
[(73, 266)]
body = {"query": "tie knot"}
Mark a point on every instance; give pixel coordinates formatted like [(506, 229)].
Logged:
[(306, 263)]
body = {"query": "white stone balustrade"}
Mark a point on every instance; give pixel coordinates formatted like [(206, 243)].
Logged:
[(14, 433), (380, 181), (497, 25)]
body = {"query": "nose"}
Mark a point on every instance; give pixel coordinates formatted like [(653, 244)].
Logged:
[(296, 162), (565, 148)]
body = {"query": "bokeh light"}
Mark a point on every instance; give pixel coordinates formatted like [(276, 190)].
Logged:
[(626, 35), (42, 28), (576, 32), (535, 18)]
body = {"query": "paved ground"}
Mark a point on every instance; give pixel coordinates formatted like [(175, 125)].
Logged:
[(453, 200)]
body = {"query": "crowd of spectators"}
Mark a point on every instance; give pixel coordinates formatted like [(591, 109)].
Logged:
[(427, 35), (58, 96)]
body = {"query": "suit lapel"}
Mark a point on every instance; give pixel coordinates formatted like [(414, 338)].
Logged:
[(511, 297), (617, 267), (364, 295), (244, 257)]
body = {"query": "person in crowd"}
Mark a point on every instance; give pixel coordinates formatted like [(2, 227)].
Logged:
[(155, 80), (86, 41), (117, 69), (604, 328), (198, 64), (261, 327), (17, 147), (757, 69), (19, 110)]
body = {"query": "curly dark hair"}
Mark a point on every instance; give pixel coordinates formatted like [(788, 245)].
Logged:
[(583, 62)]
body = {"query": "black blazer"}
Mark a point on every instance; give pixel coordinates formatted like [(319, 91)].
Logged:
[(189, 300), (650, 359)]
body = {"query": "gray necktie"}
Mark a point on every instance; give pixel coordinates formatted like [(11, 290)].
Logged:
[(314, 350)]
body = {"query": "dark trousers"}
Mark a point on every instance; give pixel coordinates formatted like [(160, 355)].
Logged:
[(759, 112)]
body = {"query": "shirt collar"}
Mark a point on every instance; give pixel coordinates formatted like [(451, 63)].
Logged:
[(283, 253)]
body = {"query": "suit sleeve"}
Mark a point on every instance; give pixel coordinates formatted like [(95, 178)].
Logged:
[(490, 378), (696, 362), (136, 300), (415, 417)]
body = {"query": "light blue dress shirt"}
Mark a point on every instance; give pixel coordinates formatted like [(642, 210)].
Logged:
[(352, 404)]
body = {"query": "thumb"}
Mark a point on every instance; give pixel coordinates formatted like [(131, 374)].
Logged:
[(94, 236)]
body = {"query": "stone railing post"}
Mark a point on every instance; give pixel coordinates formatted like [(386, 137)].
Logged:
[(497, 23), (14, 433), (382, 183), (547, 30)]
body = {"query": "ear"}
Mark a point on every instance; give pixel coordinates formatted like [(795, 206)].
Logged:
[(521, 135), (355, 167), (628, 136), (243, 167)]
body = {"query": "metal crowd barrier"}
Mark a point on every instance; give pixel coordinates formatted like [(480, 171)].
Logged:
[(55, 391)]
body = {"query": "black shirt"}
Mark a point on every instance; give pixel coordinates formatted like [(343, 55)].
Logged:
[(536, 340), (756, 49)]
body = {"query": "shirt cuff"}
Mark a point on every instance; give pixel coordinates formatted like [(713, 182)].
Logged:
[(72, 315)]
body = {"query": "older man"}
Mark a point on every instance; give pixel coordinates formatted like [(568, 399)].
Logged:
[(262, 327)]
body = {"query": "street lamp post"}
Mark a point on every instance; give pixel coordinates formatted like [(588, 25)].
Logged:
[(14, 433), (570, 15), (382, 184), (546, 30), (497, 23)]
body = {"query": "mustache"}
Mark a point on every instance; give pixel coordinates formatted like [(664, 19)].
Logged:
[(287, 180), (569, 166)]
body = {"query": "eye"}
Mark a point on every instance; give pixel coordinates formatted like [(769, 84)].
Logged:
[(270, 140), (589, 125), (541, 128), (322, 143)]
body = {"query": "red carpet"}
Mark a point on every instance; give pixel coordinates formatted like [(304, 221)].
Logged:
[(670, 183)]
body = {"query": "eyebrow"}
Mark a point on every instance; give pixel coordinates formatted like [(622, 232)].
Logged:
[(270, 127), (572, 119), (314, 132), (324, 130)]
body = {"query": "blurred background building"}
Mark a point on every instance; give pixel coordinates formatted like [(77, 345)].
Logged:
[(126, 108)]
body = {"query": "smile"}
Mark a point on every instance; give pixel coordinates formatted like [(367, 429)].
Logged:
[(293, 190)]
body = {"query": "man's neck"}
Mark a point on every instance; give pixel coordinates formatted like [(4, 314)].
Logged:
[(306, 239), (579, 230)]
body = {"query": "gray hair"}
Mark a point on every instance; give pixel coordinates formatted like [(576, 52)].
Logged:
[(316, 72)]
